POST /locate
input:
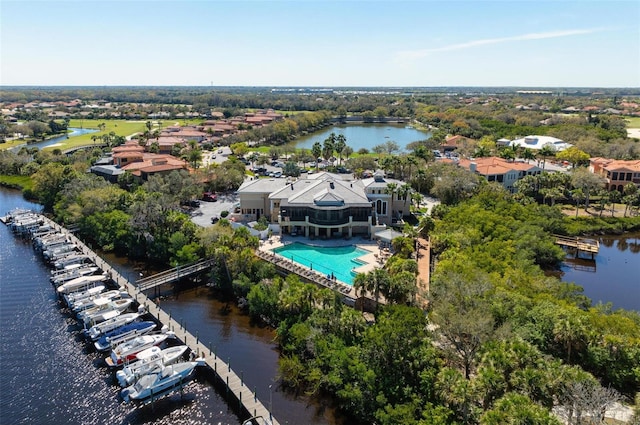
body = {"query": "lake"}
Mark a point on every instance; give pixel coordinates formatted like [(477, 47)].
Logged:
[(73, 132), (614, 274), (366, 135)]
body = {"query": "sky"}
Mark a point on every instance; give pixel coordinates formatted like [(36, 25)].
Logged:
[(321, 43)]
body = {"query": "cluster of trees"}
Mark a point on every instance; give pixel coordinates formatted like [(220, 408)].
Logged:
[(501, 342), (579, 187)]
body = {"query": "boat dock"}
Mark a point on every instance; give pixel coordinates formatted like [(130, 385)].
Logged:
[(591, 246), (236, 391)]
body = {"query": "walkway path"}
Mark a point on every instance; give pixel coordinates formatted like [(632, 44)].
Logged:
[(424, 270)]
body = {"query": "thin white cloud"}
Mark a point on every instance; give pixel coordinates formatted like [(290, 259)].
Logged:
[(410, 55)]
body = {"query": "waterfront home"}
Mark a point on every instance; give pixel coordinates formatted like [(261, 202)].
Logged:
[(132, 157), (499, 170), (617, 172), (324, 205)]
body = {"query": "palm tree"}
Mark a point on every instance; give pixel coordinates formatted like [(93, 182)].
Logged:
[(546, 152), (578, 196), (360, 286), (340, 144), (630, 192), (391, 189)]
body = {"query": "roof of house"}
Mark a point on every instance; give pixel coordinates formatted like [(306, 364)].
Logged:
[(617, 164), (494, 165), (321, 192), (538, 142), (262, 185)]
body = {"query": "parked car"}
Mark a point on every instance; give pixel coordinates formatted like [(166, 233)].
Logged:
[(209, 196), (192, 203)]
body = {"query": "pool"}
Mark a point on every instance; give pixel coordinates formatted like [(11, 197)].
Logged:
[(337, 260)]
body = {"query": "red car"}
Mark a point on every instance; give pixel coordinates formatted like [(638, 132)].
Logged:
[(209, 196)]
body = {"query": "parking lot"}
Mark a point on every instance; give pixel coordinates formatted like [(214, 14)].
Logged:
[(203, 214)]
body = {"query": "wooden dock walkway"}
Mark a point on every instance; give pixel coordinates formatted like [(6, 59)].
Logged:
[(591, 246), (247, 400)]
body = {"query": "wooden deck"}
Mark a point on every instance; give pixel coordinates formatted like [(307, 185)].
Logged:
[(246, 398), (591, 246)]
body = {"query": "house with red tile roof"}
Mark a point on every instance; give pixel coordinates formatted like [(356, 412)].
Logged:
[(618, 173), (500, 170)]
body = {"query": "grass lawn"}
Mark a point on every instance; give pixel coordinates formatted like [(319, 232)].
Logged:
[(22, 182), (634, 122), (119, 127)]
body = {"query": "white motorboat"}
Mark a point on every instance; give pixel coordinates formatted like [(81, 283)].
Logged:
[(58, 251), (149, 361), (93, 301), (124, 333), (72, 259), (105, 309), (76, 297), (96, 331), (153, 386), (78, 271), (127, 351), (80, 284)]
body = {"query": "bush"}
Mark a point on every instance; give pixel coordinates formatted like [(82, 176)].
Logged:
[(223, 214)]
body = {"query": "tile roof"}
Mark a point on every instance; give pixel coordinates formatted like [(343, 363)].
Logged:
[(494, 165)]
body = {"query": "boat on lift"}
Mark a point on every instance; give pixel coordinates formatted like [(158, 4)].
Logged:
[(122, 334), (96, 331), (127, 350), (156, 385), (149, 361)]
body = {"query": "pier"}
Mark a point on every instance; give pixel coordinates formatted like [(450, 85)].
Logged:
[(237, 391), (591, 246)]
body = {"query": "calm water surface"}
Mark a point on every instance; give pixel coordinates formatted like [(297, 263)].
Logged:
[(48, 375), (74, 132), (366, 135), (614, 274)]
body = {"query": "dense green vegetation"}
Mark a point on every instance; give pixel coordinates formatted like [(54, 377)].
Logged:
[(500, 342), (500, 339)]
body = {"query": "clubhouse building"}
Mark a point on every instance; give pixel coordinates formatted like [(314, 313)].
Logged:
[(325, 205)]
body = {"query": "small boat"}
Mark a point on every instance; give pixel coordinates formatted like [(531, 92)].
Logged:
[(72, 259), (90, 302), (76, 297), (96, 331), (104, 310), (149, 361), (78, 271), (153, 386), (128, 350), (121, 334), (80, 284)]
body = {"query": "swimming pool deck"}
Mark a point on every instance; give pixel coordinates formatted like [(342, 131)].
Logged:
[(372, 260)]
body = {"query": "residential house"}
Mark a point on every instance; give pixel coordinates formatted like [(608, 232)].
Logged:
[(500, 170), (617, 172)]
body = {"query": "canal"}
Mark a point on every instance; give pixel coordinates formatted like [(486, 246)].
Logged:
[(49, 375), (612, 276)]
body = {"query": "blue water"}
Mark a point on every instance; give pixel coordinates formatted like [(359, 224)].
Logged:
[(612, 276), (366, 135), (74, 132), (49, 375), (338, 261)]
